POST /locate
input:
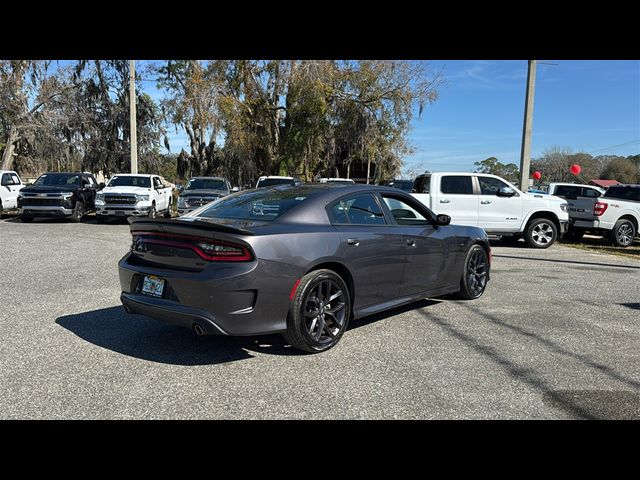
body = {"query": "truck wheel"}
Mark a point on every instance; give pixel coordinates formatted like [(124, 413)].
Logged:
[(78, 212), (574, 234), (167, 212), (0, 209), (541, 233), (100, 219), (26, 219), (152, 211), (623, 233)]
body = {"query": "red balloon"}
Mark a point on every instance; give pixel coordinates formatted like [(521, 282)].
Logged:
[(537, 175), (575, 169)]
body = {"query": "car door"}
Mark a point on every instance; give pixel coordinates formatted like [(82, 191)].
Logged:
[(372, 249), (457, 199), (162, 198), (11, 185), (430, 252), (496, 213)]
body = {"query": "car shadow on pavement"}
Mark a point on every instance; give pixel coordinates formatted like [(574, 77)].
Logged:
[(147, 339), (364, 321), (555, 260)]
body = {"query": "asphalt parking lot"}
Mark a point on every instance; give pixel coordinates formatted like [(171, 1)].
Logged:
[(556, 336)]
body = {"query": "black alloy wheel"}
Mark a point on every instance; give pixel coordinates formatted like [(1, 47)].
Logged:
[(475, 273), (319, 312)]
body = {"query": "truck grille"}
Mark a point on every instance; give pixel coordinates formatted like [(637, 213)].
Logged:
[(31, 201), (120, 199), (198, 201)]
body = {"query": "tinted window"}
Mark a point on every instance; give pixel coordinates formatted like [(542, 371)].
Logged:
[(568, 191), (207, 184), (6, 179), (590, 192), (268, 182), (360, 210), (457, 184), (422, 184), (405, 185), (490, 186), (404, 212), (59, 179), (623, 193), (262, 205), (130, 181)]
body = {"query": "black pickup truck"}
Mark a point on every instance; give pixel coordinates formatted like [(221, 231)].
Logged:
[(69, 195)]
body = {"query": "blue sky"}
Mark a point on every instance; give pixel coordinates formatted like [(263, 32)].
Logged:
[(586, 106), (589, 106)]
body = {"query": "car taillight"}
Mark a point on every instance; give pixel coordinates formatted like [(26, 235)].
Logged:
[(207, 249), (599, 208)]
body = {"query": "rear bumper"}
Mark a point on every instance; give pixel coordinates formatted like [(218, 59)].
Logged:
[(44, 210), (225, 299), (168, 312), (592, 224)]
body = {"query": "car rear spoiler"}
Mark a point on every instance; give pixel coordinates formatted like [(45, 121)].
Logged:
[(160, 224)]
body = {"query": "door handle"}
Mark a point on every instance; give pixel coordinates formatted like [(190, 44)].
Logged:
[(353, 241), (445, 201), (485, 202), (411, 243)]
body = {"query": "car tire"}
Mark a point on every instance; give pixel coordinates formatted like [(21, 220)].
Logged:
[(78, 212), (475, 274), (623, 233), (167, 213), (323, 331), (152, 211), (574, 235), (510, 239), (541, 233), (0, 209), (26, 219)]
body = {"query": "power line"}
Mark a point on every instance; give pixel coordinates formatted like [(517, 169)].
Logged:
[(616, 146)]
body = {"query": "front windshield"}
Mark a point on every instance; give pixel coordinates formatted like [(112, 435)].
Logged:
[(269, 182), (130, 181), (58, 179), (262, 205), (207, 184)]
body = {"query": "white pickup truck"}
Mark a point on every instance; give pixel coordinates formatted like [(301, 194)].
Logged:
[(616, 215), (492, 203), (137, 195), (10, 185)]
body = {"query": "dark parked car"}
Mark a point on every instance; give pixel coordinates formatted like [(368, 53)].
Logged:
[(64, 194), (202, 190), (298, 260)]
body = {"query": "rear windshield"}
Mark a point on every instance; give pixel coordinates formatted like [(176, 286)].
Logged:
[(144, 182), (261, 205), (60, 179), (269, 182), (206, 184), (422, 184), (405, 185), (623, 193)]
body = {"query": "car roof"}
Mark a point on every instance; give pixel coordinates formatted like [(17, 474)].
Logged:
[(275, 176), (208, 178)]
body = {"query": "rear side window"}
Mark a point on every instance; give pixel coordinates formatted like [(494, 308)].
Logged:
[(422, 184), (568, 191), (590, 192), (461, 185), (359, 210), (623, 193)]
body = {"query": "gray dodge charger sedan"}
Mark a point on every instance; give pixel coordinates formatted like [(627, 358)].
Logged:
[(300, 260)]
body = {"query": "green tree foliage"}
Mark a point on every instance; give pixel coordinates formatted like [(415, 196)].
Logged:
[(492, 165), (306, 118), (623, 170)]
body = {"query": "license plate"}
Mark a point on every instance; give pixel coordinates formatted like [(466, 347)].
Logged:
[(120, 213), (152, 286)]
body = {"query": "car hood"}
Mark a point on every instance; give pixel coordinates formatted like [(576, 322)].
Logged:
[(204, 193), (131, 190), (49, 189)]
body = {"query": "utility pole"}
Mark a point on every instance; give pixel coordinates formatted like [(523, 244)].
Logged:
[(525, 153), (132, 116)]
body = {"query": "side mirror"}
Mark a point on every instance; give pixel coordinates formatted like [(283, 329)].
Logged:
[(506, 192), (443, 219), (235, 189)]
